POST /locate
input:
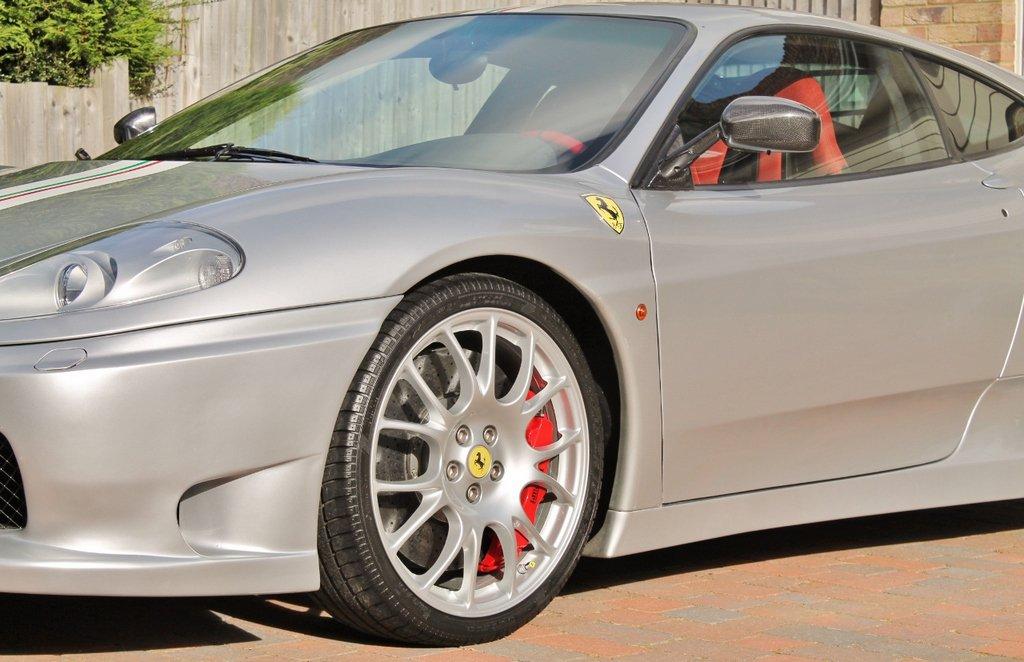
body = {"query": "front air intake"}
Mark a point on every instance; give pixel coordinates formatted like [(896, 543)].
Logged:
[(13, 513)]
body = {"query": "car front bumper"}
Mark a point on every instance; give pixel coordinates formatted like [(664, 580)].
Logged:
[(184, 460)]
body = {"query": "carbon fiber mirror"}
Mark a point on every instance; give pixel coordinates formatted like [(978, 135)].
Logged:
[(770, 124), (749, 124)]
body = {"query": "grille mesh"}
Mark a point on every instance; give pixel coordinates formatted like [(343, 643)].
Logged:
[(13, 514)]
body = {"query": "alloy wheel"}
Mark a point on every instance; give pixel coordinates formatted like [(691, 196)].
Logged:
[(481, 461)]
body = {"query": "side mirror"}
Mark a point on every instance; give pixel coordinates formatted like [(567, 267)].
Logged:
[(751, 124), (134, 124), (770, 124)]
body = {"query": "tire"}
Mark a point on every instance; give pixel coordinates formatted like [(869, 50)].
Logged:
[(383, 548)]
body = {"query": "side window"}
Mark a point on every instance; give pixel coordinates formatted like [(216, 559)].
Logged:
[(874, 113), (980, 117)]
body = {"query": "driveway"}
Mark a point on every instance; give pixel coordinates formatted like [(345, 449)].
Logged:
[(940, 584)]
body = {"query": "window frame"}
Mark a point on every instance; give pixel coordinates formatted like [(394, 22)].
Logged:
[(947, 133), (644, 175)]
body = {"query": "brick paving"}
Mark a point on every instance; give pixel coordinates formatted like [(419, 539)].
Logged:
[(936, 585)]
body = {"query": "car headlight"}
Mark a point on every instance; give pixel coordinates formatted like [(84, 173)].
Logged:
[(130, 265)]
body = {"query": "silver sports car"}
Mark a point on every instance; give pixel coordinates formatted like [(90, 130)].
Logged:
[(417, 317)]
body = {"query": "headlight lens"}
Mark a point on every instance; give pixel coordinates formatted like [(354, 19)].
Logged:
[(140, 263), (71, 284)]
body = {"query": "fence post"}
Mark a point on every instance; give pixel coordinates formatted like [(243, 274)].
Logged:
[(6, 157), (25, 123), (869, 11), (115, 96)]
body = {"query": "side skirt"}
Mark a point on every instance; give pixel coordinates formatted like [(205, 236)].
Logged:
[(988, 466)]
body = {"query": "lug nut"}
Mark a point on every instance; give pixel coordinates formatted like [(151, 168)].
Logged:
[(473, 493), (463, 435), (490, 435), (452, 471), (497, 471)]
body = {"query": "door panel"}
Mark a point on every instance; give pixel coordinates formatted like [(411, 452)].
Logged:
[(1007, 168), (828, 330)]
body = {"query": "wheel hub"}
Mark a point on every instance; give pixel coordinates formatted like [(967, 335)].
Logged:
[(476, 474)]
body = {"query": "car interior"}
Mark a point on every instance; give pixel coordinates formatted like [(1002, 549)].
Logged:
[(873, 115)]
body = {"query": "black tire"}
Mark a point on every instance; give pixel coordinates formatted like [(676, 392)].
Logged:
[(359, 586)]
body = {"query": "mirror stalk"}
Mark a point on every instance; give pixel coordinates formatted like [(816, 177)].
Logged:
[(675, 163)]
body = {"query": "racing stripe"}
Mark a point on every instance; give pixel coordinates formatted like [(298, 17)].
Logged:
[(116, 166), (113, 173)]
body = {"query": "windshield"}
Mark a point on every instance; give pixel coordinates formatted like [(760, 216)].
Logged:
[(507, 92)]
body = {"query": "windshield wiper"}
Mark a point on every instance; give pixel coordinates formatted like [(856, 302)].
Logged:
[(231, 152)]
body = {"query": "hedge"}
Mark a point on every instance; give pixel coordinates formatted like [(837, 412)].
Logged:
[(61, 42)]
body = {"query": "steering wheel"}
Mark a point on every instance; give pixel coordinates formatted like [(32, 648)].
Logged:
[(558, 139)]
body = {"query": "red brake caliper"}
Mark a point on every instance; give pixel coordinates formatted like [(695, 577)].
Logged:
[(539, 433)]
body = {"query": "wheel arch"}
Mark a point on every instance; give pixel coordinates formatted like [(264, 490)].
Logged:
[(586, 325)]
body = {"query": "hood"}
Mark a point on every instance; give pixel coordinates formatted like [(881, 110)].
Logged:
[(57, 203)]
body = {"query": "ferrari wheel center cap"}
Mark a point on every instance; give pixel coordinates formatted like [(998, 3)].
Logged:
[(479, 461)]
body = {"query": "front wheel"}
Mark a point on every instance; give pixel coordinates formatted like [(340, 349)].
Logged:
[(464, 474)]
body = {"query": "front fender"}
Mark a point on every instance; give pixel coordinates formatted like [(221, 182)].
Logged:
[(371, 234)]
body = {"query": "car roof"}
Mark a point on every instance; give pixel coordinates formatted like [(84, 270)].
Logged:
[(719, 22), (691, 12), (676, 10)]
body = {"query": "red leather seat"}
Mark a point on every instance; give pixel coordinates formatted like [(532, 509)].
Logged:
[(827, 155)]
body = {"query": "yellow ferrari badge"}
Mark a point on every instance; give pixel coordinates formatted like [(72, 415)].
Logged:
[(608, 211), (479, 461)]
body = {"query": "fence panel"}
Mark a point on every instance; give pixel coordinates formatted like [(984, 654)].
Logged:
[(224, 40), (41, 123)]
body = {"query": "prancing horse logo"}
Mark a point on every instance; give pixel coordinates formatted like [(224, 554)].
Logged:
[(479, 461), (608, 211)]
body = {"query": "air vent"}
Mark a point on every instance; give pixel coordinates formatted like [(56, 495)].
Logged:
[(13, 513)]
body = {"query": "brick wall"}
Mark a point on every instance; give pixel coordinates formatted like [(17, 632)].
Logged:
[(983, 28)]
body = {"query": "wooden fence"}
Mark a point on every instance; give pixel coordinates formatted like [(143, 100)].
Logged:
[(41, 123), (221, 41), (224, 40)]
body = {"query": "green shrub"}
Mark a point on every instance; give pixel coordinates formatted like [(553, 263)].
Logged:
[(62, 41)]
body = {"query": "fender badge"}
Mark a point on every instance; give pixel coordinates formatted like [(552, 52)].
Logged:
[(608, 211)]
